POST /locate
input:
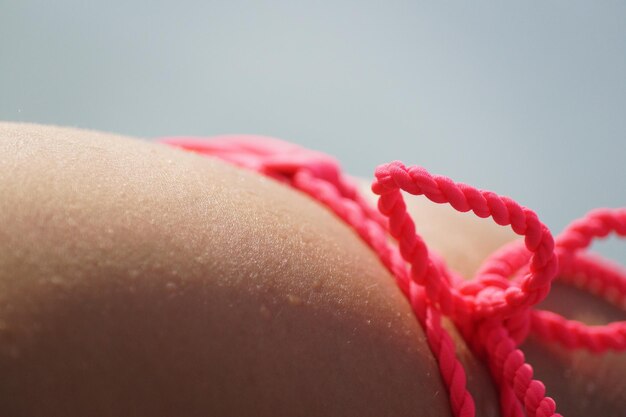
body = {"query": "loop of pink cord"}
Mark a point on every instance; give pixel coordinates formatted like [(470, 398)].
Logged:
[(492, 311)]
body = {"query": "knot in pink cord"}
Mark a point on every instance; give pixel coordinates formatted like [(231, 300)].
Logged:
[(586, 271), (493, 311), (490, 294)]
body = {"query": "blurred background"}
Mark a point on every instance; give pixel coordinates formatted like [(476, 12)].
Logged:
[(525, 98)]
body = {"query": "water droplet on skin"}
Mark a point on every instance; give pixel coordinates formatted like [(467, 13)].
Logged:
[(368, 322), (294, 300), (265, 312)]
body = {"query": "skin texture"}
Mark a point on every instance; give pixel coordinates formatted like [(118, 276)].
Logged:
[(140, 280), (136, 279)]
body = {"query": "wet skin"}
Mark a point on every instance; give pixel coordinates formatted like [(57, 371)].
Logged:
[(136, 280)]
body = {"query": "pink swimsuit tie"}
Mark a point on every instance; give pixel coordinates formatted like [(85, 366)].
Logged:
[(493, 311)]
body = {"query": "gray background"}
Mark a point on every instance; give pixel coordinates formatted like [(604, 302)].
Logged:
[(525, 98)]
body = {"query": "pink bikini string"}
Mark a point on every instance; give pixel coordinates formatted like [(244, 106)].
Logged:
[(493, 311)]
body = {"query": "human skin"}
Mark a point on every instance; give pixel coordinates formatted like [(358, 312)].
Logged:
[(137, 279)]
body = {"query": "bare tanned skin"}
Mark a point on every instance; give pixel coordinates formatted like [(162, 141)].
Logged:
[(139, 280)]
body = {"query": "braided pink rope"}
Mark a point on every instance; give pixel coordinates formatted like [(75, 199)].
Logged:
[(492, 311), (584, 270)]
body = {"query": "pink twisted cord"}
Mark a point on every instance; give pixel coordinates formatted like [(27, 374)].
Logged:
[(492, 311), (491, 298), (596, 273), (492, 295), (588, 272)]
